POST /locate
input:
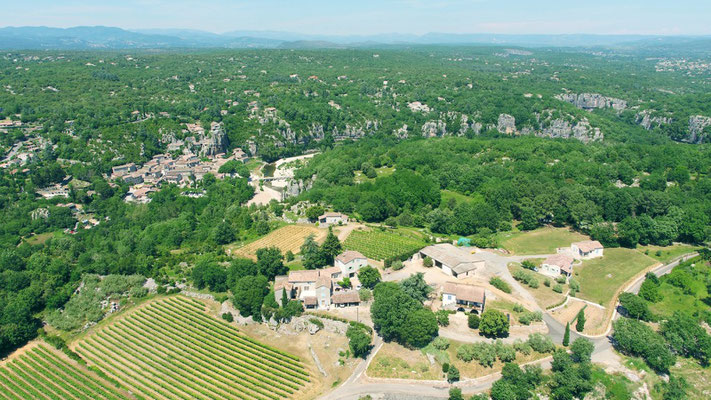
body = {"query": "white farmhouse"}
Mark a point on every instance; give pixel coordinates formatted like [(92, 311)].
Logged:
[(349, 262), (557, 264), (467, 297), (333, 218), (587, 249)]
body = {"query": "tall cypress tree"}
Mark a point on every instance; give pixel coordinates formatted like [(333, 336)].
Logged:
[(566, 336), (331, 247), (580, 325)]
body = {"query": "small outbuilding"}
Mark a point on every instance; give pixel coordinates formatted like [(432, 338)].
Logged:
[(467, 297), (332, 218), (587, 249), (452, 260), (557, 264)]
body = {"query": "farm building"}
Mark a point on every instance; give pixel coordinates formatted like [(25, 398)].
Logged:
[(587, 249), (349, 262), (467, 297), (557, 264), (346, 299), (333, 218), (453, 260), (315, 288)]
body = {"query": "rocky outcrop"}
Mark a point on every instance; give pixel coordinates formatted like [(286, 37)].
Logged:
[(697, 128), (590, 101), (356, 131), (649, 122), (561, 128), (213, 143), (506, 124), (434, 128)]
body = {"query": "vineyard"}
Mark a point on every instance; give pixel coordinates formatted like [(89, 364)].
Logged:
[(286, 238), (41, 372), (381, 245), (172, 349)]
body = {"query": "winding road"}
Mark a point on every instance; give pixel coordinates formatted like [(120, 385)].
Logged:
[(358, 384)]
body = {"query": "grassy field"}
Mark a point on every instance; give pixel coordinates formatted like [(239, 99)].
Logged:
[(286, 238), (601, 277), (39, 371), (379, 245), (545, 296), (458, 197), (668, 253), (689, 300), (396, 361), (540, 241), (172, 349)]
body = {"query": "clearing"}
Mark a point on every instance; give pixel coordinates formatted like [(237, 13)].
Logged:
[(595, 317), (539, 241), (39, 371), (286, 238), (667, 253), (171, 348), (601, 278)]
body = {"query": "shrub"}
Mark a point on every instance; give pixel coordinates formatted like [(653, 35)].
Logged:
[(365, 294), (316, 322), (541, 343), (473, 321), (500, 284), (547, 282), (440, 343), (528, 265), (397, 265), (636, 306), (442, 317), (358, 340), (522, 347), (494, 324), (518, 308), (505, 352), (228, 317), (530, 316), (452, 374), (455, 393), (484, 353), (558, 288), (561, 279), (580, 324), (573, 284), (533, 283), (427, 262), (445, 367)]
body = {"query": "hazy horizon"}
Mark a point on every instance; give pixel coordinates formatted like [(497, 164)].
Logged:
[(371, 17)]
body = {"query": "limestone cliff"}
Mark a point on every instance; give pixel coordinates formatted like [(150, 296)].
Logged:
[(590, 101)]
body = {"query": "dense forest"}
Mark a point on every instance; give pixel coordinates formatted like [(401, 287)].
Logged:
[(621, 194)]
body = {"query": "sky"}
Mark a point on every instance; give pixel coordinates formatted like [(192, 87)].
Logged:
[(366, 17)]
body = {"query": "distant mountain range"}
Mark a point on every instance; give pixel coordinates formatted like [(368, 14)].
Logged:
[(101, 37)]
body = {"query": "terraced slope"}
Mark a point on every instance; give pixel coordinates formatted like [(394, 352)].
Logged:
[(171, 349), (41, 372)]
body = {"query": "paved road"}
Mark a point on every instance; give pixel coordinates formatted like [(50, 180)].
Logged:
[(357, 384), (661, 270)]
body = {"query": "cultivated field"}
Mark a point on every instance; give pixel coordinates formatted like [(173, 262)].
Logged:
[(539, 241), (379, 245), (172, 349), (39, 371), (286, 238), (600, 278)]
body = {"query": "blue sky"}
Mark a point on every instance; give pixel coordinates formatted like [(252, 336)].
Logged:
[(341, 17)]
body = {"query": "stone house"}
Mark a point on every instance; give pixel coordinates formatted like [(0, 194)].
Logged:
[(349, 262), (332, 218), (461, 296), (556, 265), (587, 249)]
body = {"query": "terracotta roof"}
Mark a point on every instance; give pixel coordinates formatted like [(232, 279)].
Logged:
[(587, 246), (330, 271), (286, 285), (332, 214), (310, 301), (348, 256), (345, 297), (458, 259), (303, 276), (564, 262), (472, 293)]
